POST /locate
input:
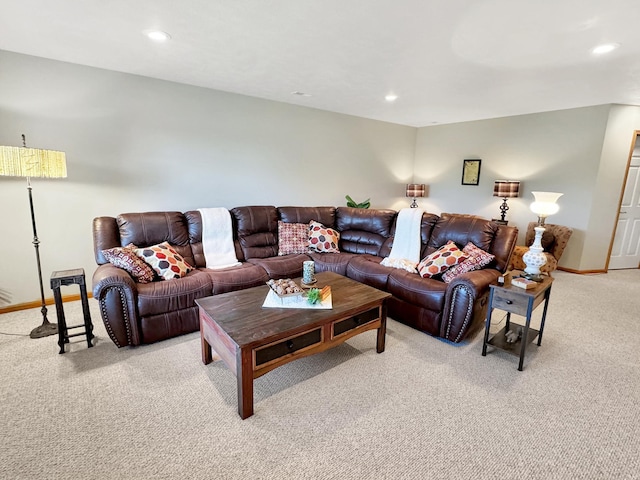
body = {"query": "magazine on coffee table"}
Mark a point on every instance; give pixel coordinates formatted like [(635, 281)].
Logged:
[(297, 301)]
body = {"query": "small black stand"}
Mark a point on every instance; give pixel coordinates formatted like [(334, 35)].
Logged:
[(71, 277)]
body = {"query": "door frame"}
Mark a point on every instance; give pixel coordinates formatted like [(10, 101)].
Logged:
[(634, 140)]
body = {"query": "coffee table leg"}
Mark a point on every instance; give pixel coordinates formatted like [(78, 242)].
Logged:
[(244, 377), (207, 356), (382, 331)]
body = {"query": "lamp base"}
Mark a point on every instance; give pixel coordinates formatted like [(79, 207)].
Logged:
[(47, 328)]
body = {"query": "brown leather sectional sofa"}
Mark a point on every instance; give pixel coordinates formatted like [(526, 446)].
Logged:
[(136, 313)]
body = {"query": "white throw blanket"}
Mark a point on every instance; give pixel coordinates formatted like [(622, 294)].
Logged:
[(217, 239), (405, 252)]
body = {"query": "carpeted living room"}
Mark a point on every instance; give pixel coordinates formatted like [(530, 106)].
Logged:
[(247, 104)]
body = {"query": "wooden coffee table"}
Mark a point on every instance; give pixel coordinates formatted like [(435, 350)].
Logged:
[(252, 340)]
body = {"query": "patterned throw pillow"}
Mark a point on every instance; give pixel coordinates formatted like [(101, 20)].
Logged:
[(445, 257), (126, 258), (478, 259), (293, 238), (323, 239), (164, 260)]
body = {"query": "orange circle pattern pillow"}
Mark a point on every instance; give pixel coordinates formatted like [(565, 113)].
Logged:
[(165, 261), (323, 239), (441, 260)]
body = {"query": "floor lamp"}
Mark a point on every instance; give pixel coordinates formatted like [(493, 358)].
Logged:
[(33, 162)]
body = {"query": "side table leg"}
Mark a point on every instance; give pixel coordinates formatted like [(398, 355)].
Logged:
[(525, 335), (487, 324), (382, 331), (88, 325), (547, 294), (244, 376), (62, 324)]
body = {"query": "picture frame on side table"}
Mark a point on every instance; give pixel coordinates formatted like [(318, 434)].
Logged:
[(471, 172)]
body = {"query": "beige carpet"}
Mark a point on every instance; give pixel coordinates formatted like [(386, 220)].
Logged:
[(423, 409)]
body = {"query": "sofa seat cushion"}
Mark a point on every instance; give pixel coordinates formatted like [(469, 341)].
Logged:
[(236, 278), (287, 266), (172, 295), (332, 262), (367, 269), (412, 288)]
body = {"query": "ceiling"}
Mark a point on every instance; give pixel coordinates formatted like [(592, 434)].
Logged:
[(446, 60)]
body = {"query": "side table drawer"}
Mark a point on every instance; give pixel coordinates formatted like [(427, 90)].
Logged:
[(510, 302), (286, 347)]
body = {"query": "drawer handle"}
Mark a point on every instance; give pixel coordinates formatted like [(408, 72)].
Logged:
[(289, 344), (508, 302)]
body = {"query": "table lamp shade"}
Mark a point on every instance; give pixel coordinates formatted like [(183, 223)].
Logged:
[(506, 188), (32, 162), (545, 203), (415, 190)]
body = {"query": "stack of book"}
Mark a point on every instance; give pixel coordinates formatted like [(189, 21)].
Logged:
[(522, 282)]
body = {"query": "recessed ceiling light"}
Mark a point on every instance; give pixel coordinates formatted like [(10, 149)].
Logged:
[(157, 35), (605, 48), (391, 97), (300, 94)]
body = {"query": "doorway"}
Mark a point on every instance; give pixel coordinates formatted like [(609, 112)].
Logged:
[(625, 250)]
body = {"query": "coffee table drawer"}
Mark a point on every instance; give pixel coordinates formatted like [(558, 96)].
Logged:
[(356, 321), (286, 347)]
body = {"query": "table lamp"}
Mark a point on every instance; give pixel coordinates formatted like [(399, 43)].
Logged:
[(415, 190), (543, 206), (505, 189)]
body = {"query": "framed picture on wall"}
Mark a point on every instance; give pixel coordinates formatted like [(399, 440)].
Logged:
[(471, 172)]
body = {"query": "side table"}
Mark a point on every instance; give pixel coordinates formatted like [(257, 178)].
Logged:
[(71, 277), (522, 302)]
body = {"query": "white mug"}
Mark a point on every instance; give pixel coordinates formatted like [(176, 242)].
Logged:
[(308, 272)]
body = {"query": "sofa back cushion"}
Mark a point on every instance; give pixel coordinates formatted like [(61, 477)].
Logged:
[(364, 230), (105, 236), (152, 228), (324, 215), (256, 228), (485, 234), (503, 245)]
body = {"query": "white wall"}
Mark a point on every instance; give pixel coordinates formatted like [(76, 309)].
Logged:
[(580, 152), (138, 144)]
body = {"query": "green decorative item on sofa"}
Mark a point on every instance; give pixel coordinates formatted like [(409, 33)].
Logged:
[(353, 204)]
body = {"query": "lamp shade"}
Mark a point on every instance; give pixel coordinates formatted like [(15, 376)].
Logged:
[(545, 203), (415, 190), (506, 188), (32, 162)]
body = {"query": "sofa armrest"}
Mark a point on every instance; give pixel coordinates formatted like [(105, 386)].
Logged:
[(465, 305), (117, 294)]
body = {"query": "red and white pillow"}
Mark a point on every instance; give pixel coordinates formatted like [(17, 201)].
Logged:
[(164, 260), (323, 239), (293, 238), (447, 256), (478, 259), (126, 258)]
